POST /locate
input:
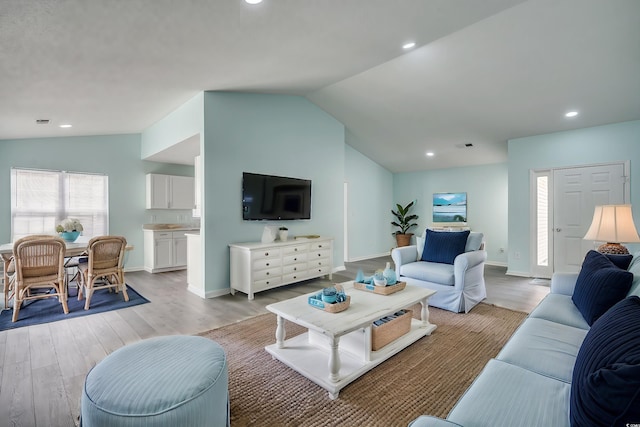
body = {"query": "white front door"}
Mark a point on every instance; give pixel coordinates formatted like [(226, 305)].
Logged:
[(576, 192)]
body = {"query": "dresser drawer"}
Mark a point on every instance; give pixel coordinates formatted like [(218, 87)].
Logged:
[(262, 263), (295, 277), (289, 250), (294, 268), (319, 270), (267, 273), (320, 245), (320, 262), (266, 254), (260, 285), (319, 254), (292, 259)]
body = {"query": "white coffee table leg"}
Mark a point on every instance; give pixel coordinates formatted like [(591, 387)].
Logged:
[(281, 333), (424, 313), (334, 360)]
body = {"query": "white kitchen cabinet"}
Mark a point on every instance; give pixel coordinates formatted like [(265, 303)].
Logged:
[(257, 267), (170, 192), (165, 250)]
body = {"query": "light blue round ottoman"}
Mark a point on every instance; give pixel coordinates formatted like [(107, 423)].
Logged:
[(167, 381)]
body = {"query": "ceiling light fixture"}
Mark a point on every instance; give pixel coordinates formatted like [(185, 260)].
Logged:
[(430, 154), (571, 114), (253, 1), (42, 121), (65, 126), (408, 45)]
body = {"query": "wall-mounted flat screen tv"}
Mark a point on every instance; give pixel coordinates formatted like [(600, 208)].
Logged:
[(449, 208), (268, 197)]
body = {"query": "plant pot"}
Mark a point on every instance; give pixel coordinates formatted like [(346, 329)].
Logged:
[(403, 239)]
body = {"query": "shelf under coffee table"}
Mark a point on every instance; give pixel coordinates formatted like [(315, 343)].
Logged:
[(336, 349)]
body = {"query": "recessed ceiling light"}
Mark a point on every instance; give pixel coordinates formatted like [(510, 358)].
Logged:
[(408, 45), (65, 126), (571, 114), (253, 1), (430, 154)]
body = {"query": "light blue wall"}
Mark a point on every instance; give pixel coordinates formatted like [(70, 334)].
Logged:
[(269, 134), (486, 188), (369, 200), (177, 126), (117, 156), (617, 142)]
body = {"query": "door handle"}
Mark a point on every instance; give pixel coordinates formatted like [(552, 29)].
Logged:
[(558, 229)]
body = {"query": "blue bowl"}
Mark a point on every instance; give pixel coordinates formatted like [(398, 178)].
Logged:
[(329, 298), (70, 236)]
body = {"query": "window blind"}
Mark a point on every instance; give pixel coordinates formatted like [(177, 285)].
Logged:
[(40, 199)]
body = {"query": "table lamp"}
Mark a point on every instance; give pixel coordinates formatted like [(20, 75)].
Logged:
[(612, 224)]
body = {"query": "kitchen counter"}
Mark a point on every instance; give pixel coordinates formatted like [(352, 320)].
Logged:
[(170, 227)]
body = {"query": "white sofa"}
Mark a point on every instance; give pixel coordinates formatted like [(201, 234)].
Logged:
[(529, 383), (459, 286)]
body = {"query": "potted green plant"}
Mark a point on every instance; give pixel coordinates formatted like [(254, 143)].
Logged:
[(404, 220)]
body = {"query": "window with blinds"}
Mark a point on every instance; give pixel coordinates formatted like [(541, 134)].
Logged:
[(40, 199)]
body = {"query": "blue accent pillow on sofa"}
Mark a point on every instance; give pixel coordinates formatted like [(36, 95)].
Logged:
[(621, 261), (444, 246), (605, 388), (599, 286)]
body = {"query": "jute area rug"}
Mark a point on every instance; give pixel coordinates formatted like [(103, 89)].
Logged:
[(428, 377)]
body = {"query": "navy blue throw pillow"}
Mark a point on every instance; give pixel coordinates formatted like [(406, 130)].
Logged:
[(599, 286), (621, 261), (605, 388), (444, 246)]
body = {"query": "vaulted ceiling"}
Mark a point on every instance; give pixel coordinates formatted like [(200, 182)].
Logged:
[(482, 72)]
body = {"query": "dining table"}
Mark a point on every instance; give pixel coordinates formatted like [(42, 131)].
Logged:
[(73, 249)]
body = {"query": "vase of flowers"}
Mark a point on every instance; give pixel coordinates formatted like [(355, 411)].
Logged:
[(69, 229)]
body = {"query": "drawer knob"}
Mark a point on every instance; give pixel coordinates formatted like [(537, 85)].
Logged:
[(295, 269), (295, 277), (295, 250), (267, 273), (319, 255), (266, 254), (267, 264), (295, 259)]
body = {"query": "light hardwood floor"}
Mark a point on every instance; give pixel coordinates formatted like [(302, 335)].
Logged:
[(44, 366)]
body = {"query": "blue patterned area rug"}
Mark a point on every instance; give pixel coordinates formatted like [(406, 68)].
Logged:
[(47, 310)]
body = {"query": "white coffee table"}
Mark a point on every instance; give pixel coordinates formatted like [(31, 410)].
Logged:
[(336, 349)]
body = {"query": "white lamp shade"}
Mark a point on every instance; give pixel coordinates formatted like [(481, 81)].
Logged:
[(614, 224)]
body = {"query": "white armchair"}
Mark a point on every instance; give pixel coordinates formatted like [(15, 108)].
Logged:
[(459, 286)]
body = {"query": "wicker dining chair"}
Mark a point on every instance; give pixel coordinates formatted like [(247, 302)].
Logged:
[(104, 268), (39, 265)]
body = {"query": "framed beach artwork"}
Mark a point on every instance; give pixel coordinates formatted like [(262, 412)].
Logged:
[(449, 208)]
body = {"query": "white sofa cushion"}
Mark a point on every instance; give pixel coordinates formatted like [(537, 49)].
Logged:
[(429, 272), (560, 309), (545, 347)]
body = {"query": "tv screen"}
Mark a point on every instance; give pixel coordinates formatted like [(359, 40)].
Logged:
[(449, 207), (268, 197)]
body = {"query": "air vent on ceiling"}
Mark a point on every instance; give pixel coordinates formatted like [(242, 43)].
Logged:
[(42, 121), (465, 145)]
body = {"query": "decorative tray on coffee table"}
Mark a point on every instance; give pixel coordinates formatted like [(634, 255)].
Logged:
[(335, 307), (382, 290)]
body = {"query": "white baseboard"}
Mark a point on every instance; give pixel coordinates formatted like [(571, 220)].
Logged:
[(496, 263), (339, 268), (517, 273), (369, 257)]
